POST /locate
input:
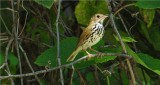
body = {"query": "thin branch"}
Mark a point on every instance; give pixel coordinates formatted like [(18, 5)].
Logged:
[(67, 29), (5, 26), (24, 20), (117, 11), (29, 64), (17, 48), (121, 42), (64, 66), (123, 7), (72, 73), (7, 8), (6, 58), (58, 46), (2, 65)]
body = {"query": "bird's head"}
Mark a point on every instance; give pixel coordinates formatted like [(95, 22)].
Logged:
[(98, 18)]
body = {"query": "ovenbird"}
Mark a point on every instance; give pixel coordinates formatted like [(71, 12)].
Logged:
[(90, 35)]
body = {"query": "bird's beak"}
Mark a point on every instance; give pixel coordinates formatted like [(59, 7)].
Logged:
[(105, 16)]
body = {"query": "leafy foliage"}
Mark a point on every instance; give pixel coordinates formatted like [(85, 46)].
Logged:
[(148, 4), (12, 59), (91, 7), (31, 26), (48, 4), (144, 60)]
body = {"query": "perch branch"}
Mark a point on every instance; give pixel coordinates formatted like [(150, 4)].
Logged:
[(64, 66)]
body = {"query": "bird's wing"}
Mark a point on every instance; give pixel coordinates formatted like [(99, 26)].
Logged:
[(84, 36)]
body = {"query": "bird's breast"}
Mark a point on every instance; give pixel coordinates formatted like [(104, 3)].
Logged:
[(96, 34)]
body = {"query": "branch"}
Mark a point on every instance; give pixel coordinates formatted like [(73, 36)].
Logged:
[(64, 66), (29, 64), (6, 58), (58, 46), (121, 42)]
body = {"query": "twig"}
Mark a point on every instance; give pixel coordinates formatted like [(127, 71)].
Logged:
[(72, 73), (17, 48), (29, 64), (24, 20), (5, 26), (118, 12), (96, 76), (121, 42), (67, 29), (63, 66), (6, 58), (58, 46), (2, 65), (123, 8)]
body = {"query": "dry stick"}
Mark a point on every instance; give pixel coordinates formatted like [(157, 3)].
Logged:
[(62, 21), (15, 34), (70, 83), (63, 66), (2, 65), (24, 20), (29, 64), (58, 46), (82, 80), (121, 42), (96, 76), (117, 12), (133, 43), (17, 48), (6, 59), (8, 31), (123, 7)]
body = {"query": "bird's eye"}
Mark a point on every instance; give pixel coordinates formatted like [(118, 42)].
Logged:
[(98, 16)]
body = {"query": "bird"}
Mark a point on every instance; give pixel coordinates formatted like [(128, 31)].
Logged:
[(90, 36)]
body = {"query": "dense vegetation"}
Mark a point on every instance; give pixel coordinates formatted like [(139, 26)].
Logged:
[(37, 37)]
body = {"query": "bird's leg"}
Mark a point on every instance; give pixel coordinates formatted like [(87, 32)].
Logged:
[(98, 53), (89, 55)]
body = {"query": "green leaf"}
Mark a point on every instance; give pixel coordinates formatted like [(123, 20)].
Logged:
[(148, 4), (49, 57), (1, 58), (125, 39), (45, 3), (67, 46), (85, 9), (145, 60), (144, 31), (150, 62), (13, 61), (89, 76), (108, 50), (105, 59), (148, 16), (154, 34)]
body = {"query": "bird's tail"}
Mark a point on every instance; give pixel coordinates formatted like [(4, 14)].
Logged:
[(73, 55)]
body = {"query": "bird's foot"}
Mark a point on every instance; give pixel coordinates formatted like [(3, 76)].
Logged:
[(89, 56), (99, 54)]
